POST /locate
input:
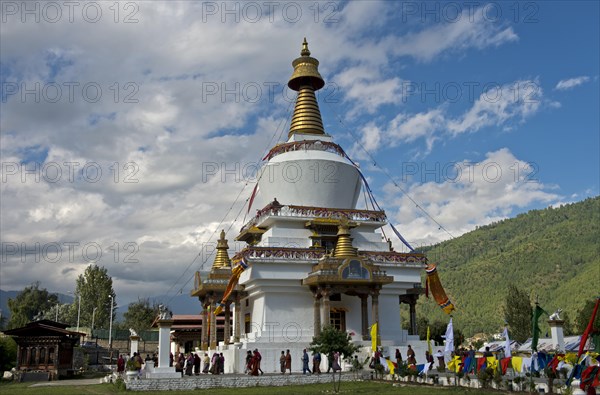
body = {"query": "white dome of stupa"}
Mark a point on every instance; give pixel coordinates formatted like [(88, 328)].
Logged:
[(309, 169)]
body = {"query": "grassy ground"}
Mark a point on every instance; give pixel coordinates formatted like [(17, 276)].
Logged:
[(366, 388)]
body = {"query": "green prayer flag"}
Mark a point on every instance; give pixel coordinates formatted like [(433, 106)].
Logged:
[(537, 313)]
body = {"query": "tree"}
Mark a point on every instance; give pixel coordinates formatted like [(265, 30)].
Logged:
[(568, 327), (64, 314), (29, 303), (95, 288), (332, 339), (2, 320), (140, 315), (422, 324), (518, 313), (584, 315), (8, 353)]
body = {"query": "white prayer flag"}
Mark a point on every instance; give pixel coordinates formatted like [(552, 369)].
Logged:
[(507, 353), (449, 339)]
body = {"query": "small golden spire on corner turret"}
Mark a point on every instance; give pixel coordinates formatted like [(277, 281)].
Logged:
[(343, 247), (222, 260), (306, 80)]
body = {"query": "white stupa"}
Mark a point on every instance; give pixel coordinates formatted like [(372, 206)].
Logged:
[(313, 258)]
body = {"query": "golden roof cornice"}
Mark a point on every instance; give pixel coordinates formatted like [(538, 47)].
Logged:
[(251, 235), (253, 253), (215, 282), (346, 271)]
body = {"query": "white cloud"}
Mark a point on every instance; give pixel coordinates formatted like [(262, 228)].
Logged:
[(367, 90), (463, 195), (371, 137), (421, 125), (571, 83), (498, 105), (471, 30)]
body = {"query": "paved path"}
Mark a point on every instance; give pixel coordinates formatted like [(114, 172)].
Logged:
[(98, 380), (67, 382)]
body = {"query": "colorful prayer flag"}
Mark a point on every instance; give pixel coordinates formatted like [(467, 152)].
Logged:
[(590, 377), (390, 366), (507, 352), (588, 329), (504, 364), (374, 337), (449, 347), (424, 369), (492, 362), (434, 284), (517, 364), (537, 313), (254, 191), (481, 364), (233, 280), (429, 342), (455, 364)]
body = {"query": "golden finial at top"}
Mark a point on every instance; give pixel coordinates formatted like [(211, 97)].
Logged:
[(306, 80), (306, 71), (305, 51)]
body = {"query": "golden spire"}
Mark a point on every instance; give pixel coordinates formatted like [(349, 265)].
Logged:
[(222, 258), (306, 80), (343, 247)]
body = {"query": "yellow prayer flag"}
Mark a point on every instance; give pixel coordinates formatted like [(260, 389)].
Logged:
[(454, 364), (233, 280), (492, 362), (517, 364), (390, 365), (374, 337), (429, 342), (218, 310)]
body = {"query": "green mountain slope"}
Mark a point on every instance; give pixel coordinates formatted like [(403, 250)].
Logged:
[(553, 253)]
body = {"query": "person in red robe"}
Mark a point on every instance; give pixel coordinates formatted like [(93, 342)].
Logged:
[(120, 364)]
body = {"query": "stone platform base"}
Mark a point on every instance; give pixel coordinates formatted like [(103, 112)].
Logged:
[(163, 373), (232, 381)]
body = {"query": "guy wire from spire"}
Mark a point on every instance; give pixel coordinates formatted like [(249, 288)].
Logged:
[(441, 227), (230, 208)]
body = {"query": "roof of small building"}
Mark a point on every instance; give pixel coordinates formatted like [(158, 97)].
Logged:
[(499, 345), (43, 327), (545, 344)]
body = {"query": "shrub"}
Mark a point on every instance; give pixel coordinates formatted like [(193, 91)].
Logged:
[(485, 377), (8, 353), (120, 384)]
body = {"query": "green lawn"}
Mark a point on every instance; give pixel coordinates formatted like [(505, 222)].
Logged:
[(368, 387)]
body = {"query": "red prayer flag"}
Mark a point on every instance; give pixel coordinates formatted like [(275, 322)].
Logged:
[(480, 363), (252, 197), (504, 363), (588, 329), (589, 377), (554, 362)]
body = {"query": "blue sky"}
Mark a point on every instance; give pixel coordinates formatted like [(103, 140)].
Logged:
[(113, 123)]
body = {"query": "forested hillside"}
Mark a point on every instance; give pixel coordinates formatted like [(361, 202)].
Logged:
[(553, 253)]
